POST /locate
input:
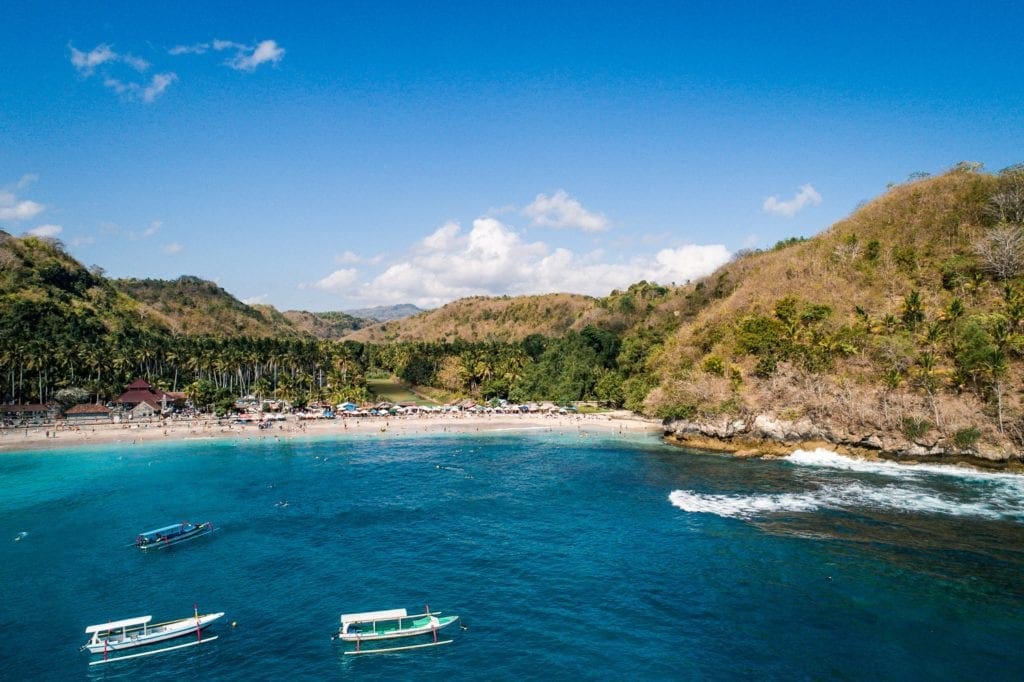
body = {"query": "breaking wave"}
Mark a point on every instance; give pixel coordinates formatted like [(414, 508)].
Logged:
[(833, 460), (743, 506), (845, 484)]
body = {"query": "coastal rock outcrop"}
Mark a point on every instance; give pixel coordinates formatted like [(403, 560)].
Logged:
[(770, 435)]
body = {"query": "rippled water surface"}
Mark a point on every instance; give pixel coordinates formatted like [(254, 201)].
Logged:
[(566, 555)]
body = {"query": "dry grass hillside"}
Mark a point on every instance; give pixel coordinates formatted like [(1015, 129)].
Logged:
[(331, 325), (480, 318), (891, 317), (893, 244)]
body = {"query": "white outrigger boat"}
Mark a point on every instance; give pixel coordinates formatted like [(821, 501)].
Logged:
[(130, 633), (374, 626)]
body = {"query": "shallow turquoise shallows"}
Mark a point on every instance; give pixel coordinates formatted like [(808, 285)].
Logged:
[(567, 556)]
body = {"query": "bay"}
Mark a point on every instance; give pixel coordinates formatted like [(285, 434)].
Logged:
[(567, 555)]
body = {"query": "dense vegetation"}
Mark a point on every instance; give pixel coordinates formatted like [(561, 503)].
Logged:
[(907, 317), (190, 305), (68, 333)]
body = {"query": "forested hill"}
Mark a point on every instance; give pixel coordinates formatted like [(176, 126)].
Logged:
[(901, 326), (49, 298), (196, 307)]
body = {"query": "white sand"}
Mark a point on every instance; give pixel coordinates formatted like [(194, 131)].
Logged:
[(66, 436)]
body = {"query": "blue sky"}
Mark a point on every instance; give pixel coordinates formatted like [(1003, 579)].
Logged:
[(328, 158)]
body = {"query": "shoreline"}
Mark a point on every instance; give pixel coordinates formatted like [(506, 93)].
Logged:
[(768, 448), (64, 436)]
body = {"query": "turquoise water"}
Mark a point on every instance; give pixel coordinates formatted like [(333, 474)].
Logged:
[(566, 555)]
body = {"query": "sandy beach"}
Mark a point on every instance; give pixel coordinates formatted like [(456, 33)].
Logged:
[(62, 436)]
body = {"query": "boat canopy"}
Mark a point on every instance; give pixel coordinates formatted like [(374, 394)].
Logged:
[(178, 527), (369, 616), (118, 624)]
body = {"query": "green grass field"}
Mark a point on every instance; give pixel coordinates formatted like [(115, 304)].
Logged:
[(392, 390)]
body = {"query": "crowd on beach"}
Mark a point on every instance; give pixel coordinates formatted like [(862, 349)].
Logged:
[(60, 434)]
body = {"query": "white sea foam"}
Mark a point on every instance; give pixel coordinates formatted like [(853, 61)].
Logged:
[(997, 503), (821, 457), (922, 500), (743, 506)]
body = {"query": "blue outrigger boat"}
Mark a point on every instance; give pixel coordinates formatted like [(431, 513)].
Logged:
[(172, 535)]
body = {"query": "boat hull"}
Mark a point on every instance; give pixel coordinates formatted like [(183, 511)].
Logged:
[(144, 541), (429, 626), (117, 641)]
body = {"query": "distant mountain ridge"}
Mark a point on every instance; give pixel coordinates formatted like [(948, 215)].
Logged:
[(385, 313)]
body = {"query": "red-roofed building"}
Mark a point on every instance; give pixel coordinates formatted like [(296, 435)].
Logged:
[(140, 391)]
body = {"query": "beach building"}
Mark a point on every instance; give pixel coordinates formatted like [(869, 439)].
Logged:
[(144, 410), (30, 411), (140, 391), (88, 412)]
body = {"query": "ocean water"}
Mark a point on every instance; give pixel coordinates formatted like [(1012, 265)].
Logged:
[(568, 556)]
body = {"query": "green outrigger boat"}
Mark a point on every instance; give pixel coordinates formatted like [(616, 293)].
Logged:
[(375, 626)]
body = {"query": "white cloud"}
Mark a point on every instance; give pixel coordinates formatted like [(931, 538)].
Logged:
[(493, 259), (147, 94), (805, 196), (19, 210), (103, 59), (171, 249), (48, 231), (255, 300), (82, 241), (26, 180), (563, 211), (158, 85), (110, 65), (153, 228), (687, 262), (198, 48), (443, 238), (137, 63), (86, 62), (117, 86), (248, 58), (228, 45), (338, 281)]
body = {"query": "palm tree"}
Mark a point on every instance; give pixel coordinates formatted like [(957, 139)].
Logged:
[(928, 379)]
